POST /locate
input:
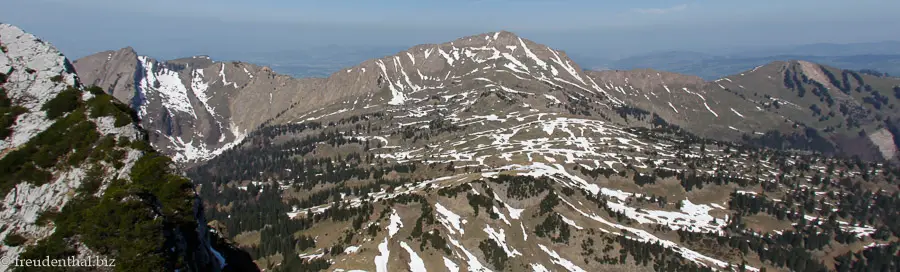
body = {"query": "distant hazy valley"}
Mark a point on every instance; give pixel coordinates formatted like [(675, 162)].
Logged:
[(881, 57)]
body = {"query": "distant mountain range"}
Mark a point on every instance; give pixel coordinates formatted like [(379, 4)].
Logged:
[(879, 56), (823, 49), (882, 57), (712, 67)]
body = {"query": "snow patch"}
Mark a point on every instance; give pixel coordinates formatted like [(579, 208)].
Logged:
[(351, 249), (411, 58), (500, 238), (224, 80), (566, 66), (524, 233), (472, 260), (170, 88), (673, 107), (416, 264), (553, 98), (710, 110), (570, 222), (451, 266), (450, 220), (736, 112), (447, 57), (395, 225), (381, 261), (501, 215), (397, 97), (559, 260), (513, 212), (532, 55), (536, 267)]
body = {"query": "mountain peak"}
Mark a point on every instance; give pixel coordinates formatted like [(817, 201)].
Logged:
[(494, 39), (499, 39), (128, 49), (778, 68), (469, 59), (501, 35)]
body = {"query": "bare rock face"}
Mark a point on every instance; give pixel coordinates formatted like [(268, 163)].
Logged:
[(884, 140), (193, 108), (35, 73), (64, 147), (117, 66)]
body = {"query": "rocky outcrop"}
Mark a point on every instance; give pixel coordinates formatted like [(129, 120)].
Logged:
[(67, 148), (35, 73), (118, 68), (884, 140)]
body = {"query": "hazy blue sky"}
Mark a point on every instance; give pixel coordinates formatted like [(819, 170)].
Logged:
[(610, 29)]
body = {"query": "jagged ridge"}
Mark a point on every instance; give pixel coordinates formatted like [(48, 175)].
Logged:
[(194, 108)]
